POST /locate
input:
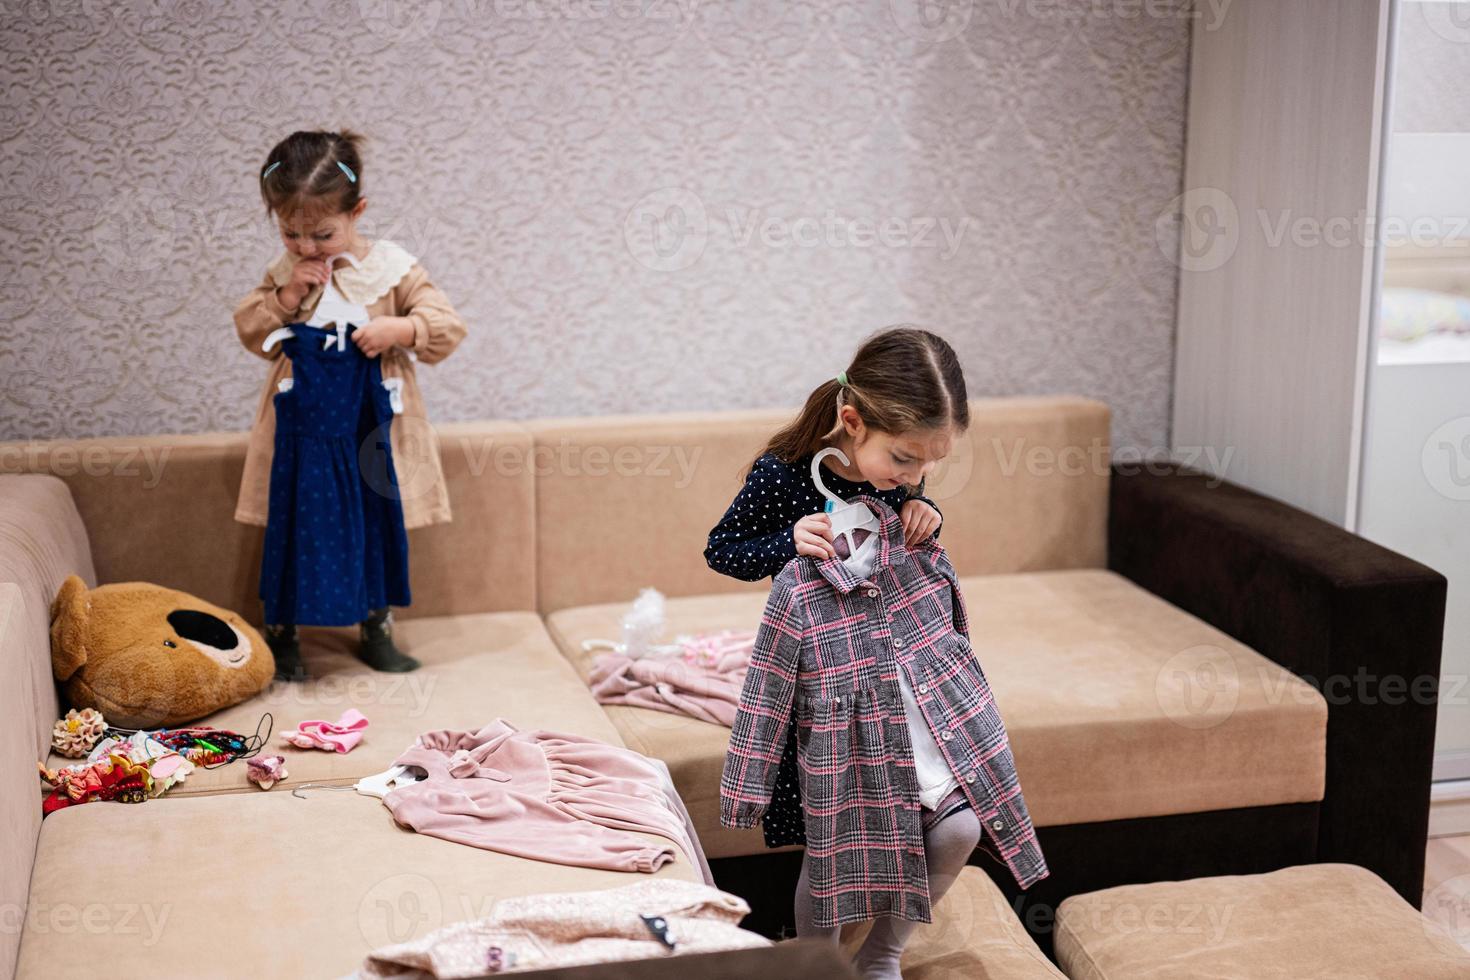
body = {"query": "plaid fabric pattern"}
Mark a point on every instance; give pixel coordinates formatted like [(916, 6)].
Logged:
[(827, 654)]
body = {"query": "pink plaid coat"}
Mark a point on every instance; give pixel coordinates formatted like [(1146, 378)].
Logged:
[(828, 651)]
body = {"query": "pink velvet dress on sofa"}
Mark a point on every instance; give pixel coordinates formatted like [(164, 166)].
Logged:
[(543, 795)]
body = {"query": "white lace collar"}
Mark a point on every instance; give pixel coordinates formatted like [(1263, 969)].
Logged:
[(381, 269)]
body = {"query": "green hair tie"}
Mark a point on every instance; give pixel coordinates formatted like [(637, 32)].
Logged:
[(842, 378)]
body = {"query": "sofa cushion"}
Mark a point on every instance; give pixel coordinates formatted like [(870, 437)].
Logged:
[(1027, 487), (1119, 704), (1333, 921), (153, 503), (265, 885), (1110, 695), (975, 935), (20, 803), (476, 668), (42, 541)]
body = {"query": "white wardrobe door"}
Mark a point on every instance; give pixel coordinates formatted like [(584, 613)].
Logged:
[(1280, 180)]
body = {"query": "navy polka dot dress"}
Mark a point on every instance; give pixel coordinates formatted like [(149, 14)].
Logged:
[(335, 545), (754, 540)]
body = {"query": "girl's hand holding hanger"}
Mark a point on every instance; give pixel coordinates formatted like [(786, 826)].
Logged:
[(383, 332), (813, 536), (813, 533)]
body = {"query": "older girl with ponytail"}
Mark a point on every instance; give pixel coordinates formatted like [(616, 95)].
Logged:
[(895, 413)]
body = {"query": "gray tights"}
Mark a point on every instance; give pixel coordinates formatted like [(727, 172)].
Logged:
[(947, 847)]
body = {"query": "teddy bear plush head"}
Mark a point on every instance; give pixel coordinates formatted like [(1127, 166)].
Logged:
[(150, 657)]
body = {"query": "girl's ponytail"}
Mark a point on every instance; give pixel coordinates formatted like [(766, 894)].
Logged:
[(816, 421)]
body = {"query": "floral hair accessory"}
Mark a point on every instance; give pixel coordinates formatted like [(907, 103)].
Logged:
[(74, 735)]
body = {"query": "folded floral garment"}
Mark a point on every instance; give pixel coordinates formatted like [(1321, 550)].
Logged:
[(653, 918)]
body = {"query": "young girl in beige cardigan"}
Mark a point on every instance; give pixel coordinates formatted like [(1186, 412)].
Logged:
[(312, 185)]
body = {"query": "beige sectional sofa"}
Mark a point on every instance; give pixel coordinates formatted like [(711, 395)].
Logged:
[(217, 878), (558, 524)]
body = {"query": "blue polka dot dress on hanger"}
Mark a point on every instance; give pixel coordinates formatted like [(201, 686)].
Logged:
[(335, 544)]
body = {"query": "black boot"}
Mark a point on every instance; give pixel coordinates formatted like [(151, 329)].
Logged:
[(286, 648), (377, 649)]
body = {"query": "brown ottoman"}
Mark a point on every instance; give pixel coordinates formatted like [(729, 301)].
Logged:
[(1335, 921), (975, 935)]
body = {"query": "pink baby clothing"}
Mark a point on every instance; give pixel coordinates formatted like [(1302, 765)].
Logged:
[(542, 795), (723, 651), (704, 683), (339, 736)]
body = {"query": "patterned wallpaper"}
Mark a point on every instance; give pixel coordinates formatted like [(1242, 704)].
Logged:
[(638, 205)]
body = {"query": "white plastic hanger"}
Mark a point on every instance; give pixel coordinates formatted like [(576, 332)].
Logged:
[(385, 782), (847, 518), (332, 308), (275, 337), (378, 785)]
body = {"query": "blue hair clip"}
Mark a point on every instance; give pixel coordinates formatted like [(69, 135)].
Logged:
[(348, 171), (269, 169)]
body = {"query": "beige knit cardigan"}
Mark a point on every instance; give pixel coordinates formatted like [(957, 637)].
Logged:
[(389, 282)]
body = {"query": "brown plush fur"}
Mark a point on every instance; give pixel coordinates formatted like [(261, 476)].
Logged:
[(110, 649)]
